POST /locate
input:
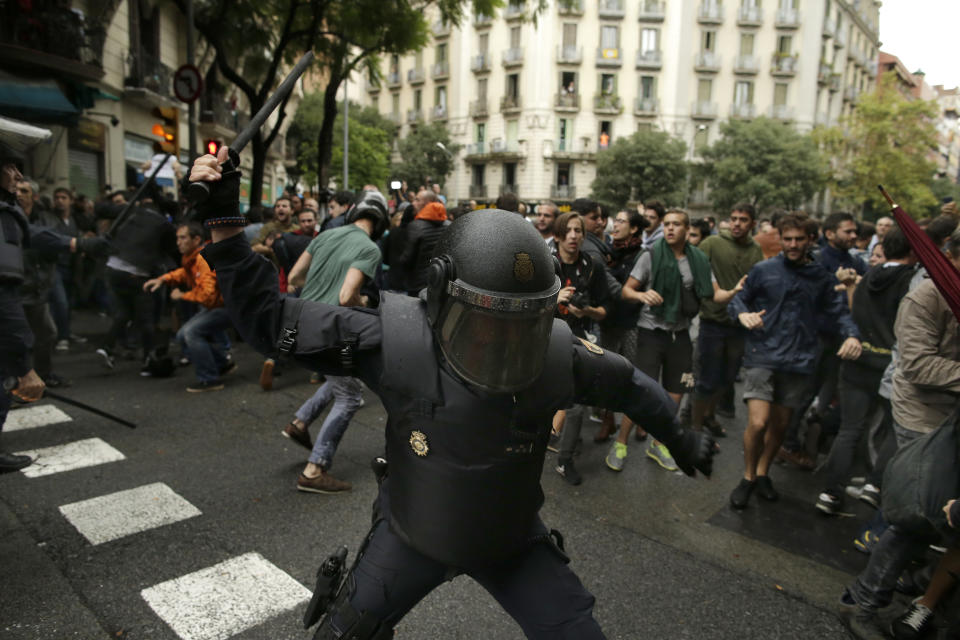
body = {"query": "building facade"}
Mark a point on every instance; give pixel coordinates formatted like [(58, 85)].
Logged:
[(533, 101)]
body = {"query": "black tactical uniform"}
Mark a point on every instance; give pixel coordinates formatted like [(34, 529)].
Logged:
[(470, 378)]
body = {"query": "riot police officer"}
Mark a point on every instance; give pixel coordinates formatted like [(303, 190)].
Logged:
[(470, 374)]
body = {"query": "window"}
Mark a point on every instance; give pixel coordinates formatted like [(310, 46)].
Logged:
[(418, 60), (394, 64), (784, 45), (743, 92), (513, 127), (513, 85), (482, 89), (701, 138), (606, 133), (417, 100), (440, 99), (563, 174), (569, 34), (788, 4), (479, 171), (441, 53), (708, 41), (746, 44), (510, 173), (750, 4), (780, 94), (648, 87), (704, 90), (608, 84), (609, 37), (483, 43), (481, 131), (649, 40), (568, 82), (395, 105), (514, 37), (566, 134)]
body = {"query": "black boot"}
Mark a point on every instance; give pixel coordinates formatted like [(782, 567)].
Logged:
[(12, 462)]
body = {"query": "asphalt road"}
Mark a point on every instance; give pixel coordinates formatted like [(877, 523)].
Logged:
[(663, 554)]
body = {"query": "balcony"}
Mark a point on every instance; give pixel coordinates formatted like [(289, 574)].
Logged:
[(872, 68), (851, 93), (787, 19), (54, 40), (441, 29), (416, 76), (823, 73), (440, 71), (611, 9), (478, 191), (646, 106), (652, 11), (373, 86), (569, 54), (575, 8), (857, 56), (509, 188), (414, 115), (394, 117), (480, 63), (149, 79), (710, 13), (481, 21), (608, 57), (743, 111), (749, 16), (504, 149), (514, 11), (707, 61), (478, 109), (567, 149), (513, 57), (510, 105), (563, 191), (649, 59), (219, 118), (747, 65), (569, 102), (474, 150), (703, 110), (829, 27), (781, 112), (393, 80), (834, 82), (439, 113), (783, 65), (607, 105), (840, 40)]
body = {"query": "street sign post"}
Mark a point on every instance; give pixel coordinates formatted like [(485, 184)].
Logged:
[(187, 83)]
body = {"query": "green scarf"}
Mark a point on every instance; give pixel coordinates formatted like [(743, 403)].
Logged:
[(668, 282)]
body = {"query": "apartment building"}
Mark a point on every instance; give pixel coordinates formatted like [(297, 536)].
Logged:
[(93, 72), (532, 102)]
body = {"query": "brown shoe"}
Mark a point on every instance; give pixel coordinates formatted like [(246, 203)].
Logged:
[(798, 458), (298, 435), (323, 483), (266, 374)]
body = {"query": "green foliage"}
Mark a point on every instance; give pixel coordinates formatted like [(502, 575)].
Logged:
[(422, 158), (888, 140), (649, 165), (943, 188), (763, 162)]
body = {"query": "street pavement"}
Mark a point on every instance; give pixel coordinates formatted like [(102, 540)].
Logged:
[(190, 526)]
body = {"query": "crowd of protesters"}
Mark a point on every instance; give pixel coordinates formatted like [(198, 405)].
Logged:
[(830, 324)]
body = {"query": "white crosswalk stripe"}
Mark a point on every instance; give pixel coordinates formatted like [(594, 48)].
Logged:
[(124, 513), (223, 600), (33, 417), (67, 457)]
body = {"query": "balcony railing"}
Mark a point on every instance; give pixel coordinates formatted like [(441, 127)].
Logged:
[(393, 79), (481, 21), (608, 57), (840, 40), (872, 68), (569, 54), (787, 19), (478, 109), (563, 191), (476, 149), (499, 145), (394, 117), (707, 61), (441, 29), (782, 65), (652, 11), (710, 13), (214, 110), (509, 104), (743, 111), (749, 16), (514, 11), (509, 188), (416, 76), (834, 82), (607, 105), (414, 115), (480, 63), (147, 72), (746, 64), (575, 9), (829, 27), (373, 86), (478, 191), (513, 57), (649, 59), (610, 9), (51, 36), (781, 112), (567, 101), (823, 73), (704, 110), (851, 93), (646, 106), (441, 71), (439, 113)]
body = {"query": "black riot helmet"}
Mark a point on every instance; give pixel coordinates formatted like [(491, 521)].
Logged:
[(373, 206), (491, 294)]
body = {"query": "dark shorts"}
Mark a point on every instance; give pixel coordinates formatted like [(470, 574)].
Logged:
[(779, 387), (721, 353), (666, 356)]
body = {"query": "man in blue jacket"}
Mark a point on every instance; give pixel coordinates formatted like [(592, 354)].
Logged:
[(781, 303)]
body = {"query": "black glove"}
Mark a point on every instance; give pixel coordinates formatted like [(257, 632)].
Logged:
[(223, 203), (693, 451), (97, 246)]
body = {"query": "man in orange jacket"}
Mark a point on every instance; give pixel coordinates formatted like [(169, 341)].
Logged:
[(197, 335)]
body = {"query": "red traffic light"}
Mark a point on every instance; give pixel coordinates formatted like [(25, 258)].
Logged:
[(213, 146)]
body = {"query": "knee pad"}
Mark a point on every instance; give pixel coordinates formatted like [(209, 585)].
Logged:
[(343, 622)]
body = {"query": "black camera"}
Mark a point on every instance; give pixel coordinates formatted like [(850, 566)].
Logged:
[(580, 300)]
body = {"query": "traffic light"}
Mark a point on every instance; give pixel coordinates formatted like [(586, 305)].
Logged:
[(168, 129), (212, 146)]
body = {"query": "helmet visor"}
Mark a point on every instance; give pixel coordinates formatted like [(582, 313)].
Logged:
[(495, 350)]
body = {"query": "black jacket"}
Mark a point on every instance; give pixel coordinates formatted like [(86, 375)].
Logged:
[(420, 245)]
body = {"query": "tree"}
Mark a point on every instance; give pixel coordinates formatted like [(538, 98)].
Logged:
[(649, 165), (370, 138), (422, 157), (763, 162), (888, 140)]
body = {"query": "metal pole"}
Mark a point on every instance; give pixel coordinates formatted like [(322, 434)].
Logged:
[(346, 131), (192, 108)]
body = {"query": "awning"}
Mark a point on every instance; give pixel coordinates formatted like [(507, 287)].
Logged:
[(22, 136), (35, 101)]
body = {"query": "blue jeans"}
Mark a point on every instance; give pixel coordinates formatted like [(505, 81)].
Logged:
[(198, 338), (346, 393), (60, 303)]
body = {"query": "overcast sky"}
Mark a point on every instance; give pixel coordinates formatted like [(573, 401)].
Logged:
[(924, 35)]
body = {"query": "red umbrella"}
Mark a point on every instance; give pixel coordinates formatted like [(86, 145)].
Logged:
[(944, 275)]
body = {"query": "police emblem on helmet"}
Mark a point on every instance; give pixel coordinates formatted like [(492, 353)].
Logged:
[(418, 442), (522, 267)]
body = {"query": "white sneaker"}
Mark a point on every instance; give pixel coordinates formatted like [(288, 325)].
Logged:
[(62, 345)]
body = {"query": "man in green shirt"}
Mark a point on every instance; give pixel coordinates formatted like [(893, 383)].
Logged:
[(732, 253), (332, 270)]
